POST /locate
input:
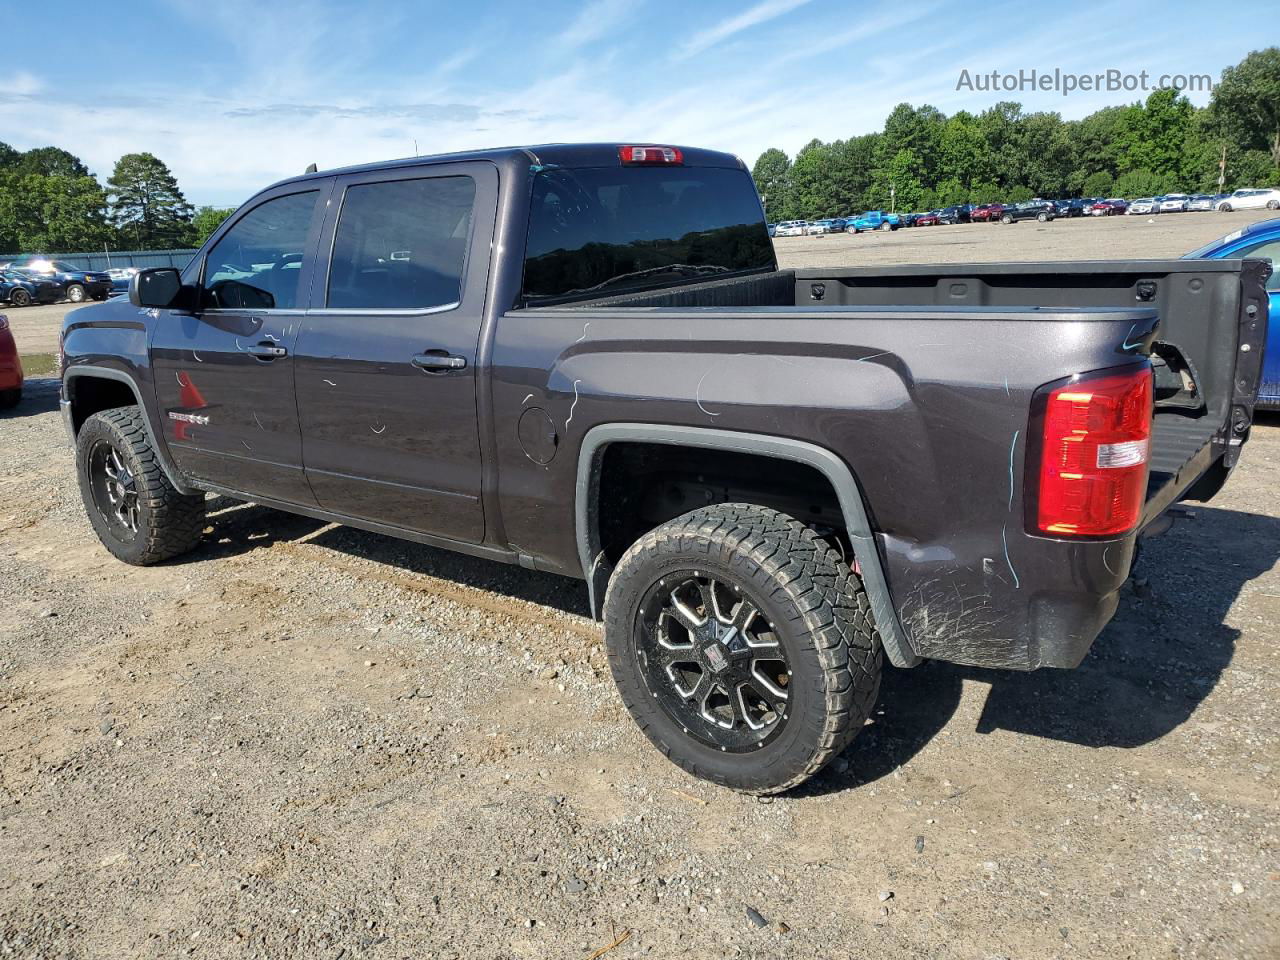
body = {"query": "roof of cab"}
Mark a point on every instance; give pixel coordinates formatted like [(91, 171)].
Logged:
[(537, 157)]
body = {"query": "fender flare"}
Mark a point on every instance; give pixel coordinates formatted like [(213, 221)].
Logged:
[(110, 373), (597, 569)]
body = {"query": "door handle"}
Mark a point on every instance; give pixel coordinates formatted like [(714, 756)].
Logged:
[(439, 361), (266, 351)]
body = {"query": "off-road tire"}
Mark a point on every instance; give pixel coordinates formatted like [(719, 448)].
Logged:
[(817, 609), (169, 523)]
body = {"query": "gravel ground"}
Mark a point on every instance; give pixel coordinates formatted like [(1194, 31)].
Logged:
[(309, 741)]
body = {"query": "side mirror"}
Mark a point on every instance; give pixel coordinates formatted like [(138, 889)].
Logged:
[(155, 287)]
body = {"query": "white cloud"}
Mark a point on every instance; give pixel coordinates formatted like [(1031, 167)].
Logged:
[(596, 21), (751, 17), (20, 84)]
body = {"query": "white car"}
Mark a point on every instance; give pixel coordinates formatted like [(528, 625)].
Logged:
[(1250, 199), (1175, 203), (1145, 205), (815, 228), (790, 228)]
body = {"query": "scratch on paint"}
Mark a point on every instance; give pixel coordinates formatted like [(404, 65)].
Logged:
[(246, 445), (584, 332), (272, 338), (330, 383), (1004, 539), (1012, 447), (197, 356), (258, 422), (1127, 345), (526, 399), (178, 377), (572, 405), (1006, 387), (697, 395), (379, 431), (872, 356), (1104, 562), (238, 347)]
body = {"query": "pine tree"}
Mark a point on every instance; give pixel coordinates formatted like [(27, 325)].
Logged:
[(147, 208)]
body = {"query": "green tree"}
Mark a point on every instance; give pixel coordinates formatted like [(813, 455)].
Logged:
[(51, 162), (772, 174), (1019, 193), (962, 153), (206, 221), (1155, 136), (146, 205), (8, 156), (898, 183), (1100, 184), (917, 130), (1140, 183), (1246, 103)]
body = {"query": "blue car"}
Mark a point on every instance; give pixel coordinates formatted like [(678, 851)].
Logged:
[(1258, 241), (79, 285)]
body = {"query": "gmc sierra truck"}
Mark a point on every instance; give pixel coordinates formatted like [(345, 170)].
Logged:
[(584, 359)]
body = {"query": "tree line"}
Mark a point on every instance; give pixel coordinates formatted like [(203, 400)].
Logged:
[(923, 159), (51, 203)]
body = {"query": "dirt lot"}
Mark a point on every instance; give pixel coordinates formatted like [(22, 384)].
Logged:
[(309, 741)]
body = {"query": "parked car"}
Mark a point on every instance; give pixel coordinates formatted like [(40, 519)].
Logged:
[(78, 285), (831, 225), (1108, 208), (1077, 207), (875, 220), (981, 213), (23, 289), (908, 219), (790, 228), (1040, 210), (558, 429), (120, 276), (1250, 199), (814, 228), (1260, 241), (930, 218), (10, 367), (959, 213), (1205, 201), (1174, 203), (1144, 205)]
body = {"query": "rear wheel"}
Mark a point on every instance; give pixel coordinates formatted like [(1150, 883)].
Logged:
[(742, 645), (136, 512), (1273, 204), (886, 225), (75, 293), (1225, 207), (1006, 219), (19, 298), (1042, 217)]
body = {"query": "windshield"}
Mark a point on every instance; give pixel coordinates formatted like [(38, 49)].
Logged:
[(605, 230)]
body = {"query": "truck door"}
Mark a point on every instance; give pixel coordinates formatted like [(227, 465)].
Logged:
[(224, 372), (387, 357)]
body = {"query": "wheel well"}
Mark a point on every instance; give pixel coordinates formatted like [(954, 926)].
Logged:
[(90, 395), (643, 485)]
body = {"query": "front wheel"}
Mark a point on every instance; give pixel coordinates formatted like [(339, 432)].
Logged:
[(1225, 208), (742, 645), (1042, 217), (1273, 204), (136, 512), (75, 293), (886, 226), (1006, 219)]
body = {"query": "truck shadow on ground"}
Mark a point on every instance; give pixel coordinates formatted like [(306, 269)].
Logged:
[(1146, 674)]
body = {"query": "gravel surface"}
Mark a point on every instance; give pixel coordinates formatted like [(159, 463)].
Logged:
[(308, 741)]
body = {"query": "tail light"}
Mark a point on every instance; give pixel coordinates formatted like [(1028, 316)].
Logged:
[(1093, 454), (650, 156)]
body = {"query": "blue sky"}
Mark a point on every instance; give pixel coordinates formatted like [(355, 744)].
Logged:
[(235, 94)]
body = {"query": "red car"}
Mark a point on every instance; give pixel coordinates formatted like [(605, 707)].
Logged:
[(994, 211), (927, 220), (981, 213), (10, 367), (1108, 208)]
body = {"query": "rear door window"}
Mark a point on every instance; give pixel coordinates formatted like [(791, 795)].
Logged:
[(402, 244)]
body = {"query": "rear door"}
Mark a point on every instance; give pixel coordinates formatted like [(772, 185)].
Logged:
[(387, 357), (224, 374)]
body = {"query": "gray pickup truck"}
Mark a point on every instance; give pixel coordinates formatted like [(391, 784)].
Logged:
[(584, 359)]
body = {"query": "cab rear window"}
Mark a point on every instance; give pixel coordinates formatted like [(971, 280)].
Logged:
[(599, 231)]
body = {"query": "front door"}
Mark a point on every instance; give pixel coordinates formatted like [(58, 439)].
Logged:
[(224, 373), (387, 358)]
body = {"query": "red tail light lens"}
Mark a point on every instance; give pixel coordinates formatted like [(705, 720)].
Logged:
[(650, 156), (1093, 455)]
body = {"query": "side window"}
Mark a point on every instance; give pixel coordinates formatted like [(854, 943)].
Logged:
[(402, 244), (1265, 251), (257, 263)]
